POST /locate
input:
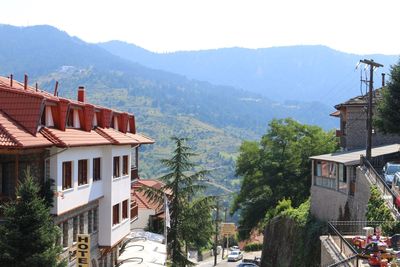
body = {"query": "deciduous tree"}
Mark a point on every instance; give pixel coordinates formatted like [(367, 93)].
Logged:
[(278, 167)]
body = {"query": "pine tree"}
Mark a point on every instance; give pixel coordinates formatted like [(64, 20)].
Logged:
[(28, 236), (388, 116), (187, 228)]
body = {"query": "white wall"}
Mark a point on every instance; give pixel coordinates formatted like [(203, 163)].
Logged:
[(77, 195), (109, 190), (116, 190)]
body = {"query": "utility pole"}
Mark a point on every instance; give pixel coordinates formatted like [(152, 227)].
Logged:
[(224, 236), (372, 64), (216, 234)]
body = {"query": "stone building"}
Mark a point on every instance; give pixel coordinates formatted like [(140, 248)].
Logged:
[(353, 123), (89, 151)]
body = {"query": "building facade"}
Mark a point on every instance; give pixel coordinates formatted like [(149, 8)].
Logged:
[(89, 152), (353, 123)]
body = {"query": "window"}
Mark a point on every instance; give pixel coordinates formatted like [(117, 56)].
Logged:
[(82, 172), (90, 221), (114, 122), (70, 118), (116, 214), (125, 165), (65, 234), (66, 175), (82, 223), (116, 167), (75, 229), (95, 219), (125, 209), (96, 169)]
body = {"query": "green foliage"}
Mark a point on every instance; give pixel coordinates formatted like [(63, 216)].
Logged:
[(377, 209), (28, 236), (276, 168), (253, 247), (298, 230), (191, 222), (388, 117)]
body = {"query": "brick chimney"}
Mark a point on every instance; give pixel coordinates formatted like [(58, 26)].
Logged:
[(81, 94)]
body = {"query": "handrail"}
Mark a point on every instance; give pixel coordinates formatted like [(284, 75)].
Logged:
[(380, 182), (364, 161), (342, 238)]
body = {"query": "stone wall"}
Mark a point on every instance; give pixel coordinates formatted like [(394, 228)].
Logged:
[(330, 205), (356, 131)]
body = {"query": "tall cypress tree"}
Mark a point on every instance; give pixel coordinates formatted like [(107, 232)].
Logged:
[(28, 236), (185, 208), (388, 117)]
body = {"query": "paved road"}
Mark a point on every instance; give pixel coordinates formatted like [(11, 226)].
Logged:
[(224, 263)]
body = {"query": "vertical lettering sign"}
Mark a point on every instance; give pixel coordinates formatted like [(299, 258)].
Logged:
[(83, 251)]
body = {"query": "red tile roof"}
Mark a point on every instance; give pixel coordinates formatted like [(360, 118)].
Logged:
[(144, 202), (116, 137), (13, 135), (21, 110)]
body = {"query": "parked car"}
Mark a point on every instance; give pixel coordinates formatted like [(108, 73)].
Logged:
[(247, 264), (389, 170), (235, 255)]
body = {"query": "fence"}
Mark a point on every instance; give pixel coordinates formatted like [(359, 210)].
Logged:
[(374, 178), (347, 254)]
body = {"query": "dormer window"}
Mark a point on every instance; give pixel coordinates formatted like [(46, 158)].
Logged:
[(73, 119), (47, 117), (94, 121), (77, 123), (115, 122), (128, 128)]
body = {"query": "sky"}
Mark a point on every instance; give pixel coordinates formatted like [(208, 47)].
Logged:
[(353, 26)]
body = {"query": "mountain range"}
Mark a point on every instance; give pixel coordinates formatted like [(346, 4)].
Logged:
[(214, 97), (300, 73)]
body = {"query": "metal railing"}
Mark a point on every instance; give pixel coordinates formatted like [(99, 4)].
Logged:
[(374, 178), (347, 254)]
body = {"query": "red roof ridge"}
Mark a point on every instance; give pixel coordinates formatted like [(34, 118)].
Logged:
[(51, 137), (105, 135)]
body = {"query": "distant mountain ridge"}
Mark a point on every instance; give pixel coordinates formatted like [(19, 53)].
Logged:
[(301, 73)]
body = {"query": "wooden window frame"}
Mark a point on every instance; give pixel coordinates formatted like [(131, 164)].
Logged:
[(125, 165), (115, 214), (116, 167), (66, 175), (125, 209), (96, 169), (82, 171)]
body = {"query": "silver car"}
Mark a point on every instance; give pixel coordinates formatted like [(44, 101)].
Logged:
[(235, 255)]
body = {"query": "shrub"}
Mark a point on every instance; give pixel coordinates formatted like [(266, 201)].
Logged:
[(253, 247)]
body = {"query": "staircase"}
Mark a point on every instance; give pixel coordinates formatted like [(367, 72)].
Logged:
[(374, 178)]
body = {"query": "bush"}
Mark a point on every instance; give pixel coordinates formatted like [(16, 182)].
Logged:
[(253, 247)]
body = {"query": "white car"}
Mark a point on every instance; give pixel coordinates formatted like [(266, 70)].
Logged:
[(235, 255)]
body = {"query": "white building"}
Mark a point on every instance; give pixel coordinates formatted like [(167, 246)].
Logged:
[(91, 154)]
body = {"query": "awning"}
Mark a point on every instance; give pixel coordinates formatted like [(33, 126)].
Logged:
[(335, 113), (353, 157), (143, 249)]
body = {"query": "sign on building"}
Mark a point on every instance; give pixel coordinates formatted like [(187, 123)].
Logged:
[(228, 229), (83, 251)]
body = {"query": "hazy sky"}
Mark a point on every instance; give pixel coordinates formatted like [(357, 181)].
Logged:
[(357, 26)]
